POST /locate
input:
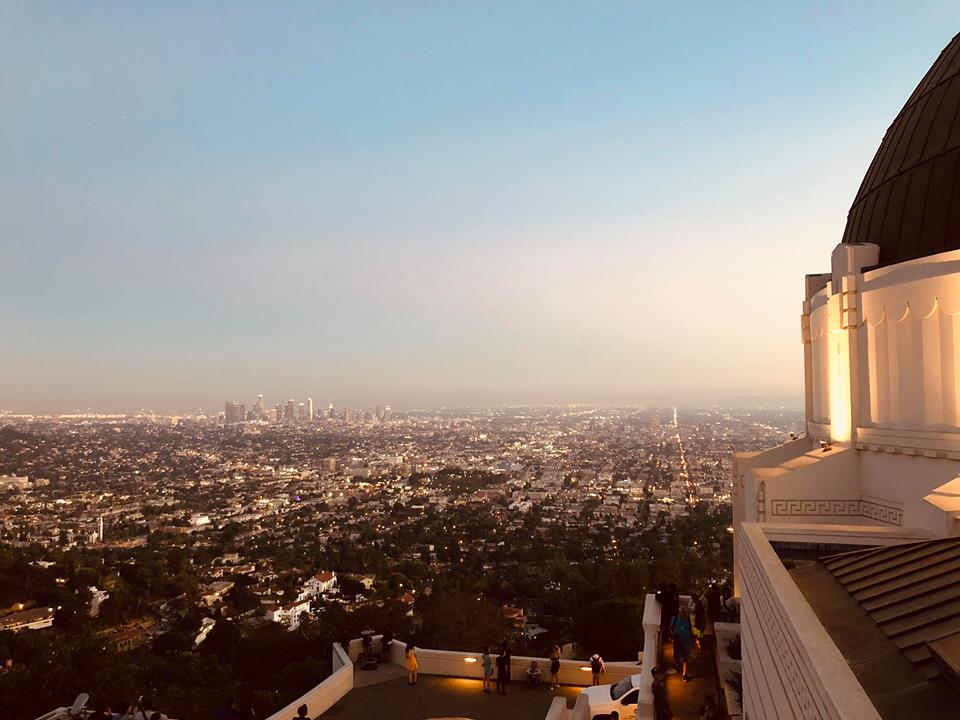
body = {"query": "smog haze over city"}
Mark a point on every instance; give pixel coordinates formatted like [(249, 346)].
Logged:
[(349, 346), (427, 204)]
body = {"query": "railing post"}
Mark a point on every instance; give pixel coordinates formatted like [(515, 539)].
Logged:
[(651, 647)]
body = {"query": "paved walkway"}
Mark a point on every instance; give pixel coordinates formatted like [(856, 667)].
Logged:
[(687, 697), (443, 697), (383, 673)]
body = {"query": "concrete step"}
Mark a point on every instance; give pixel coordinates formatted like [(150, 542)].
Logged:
[(876, 566), (927, 581), (945, 558)]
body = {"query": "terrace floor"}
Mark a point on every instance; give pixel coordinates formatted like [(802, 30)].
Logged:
[(686, 698), (443, 697)]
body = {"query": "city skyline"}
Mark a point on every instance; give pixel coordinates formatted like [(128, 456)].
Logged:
[(355, 198)]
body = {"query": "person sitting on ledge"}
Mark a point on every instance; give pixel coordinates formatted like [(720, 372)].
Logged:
[(533, 674), (302, 712)]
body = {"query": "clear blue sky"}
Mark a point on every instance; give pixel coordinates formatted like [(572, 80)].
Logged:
[(430, 203)]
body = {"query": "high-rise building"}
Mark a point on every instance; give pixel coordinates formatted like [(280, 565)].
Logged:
[(277, 413), (302, 412), (290, 413), (258, 408), (330, 411), (234, 412), (310, 409), (847, 540)]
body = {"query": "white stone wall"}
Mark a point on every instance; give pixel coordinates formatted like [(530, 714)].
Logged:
[(791, 667), (325, 695), (910, 337), (453, 663)]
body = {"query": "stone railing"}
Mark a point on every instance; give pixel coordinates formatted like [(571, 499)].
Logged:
[(558, 709), (791, 667), (455, 663)]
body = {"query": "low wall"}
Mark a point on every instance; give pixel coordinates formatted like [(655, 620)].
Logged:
[(558, 710), (468, 665), (725, 665), (325, 695), (791, 667), (449, 663)]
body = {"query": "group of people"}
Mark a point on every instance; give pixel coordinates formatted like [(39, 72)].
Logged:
[(496, 669), (687, 623), (502, 664), (141, 709)]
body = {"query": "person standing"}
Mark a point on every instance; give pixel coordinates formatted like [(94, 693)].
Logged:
[(412, 665), (503, 671), (597, 667), (699, 621), (555, 667), (302, 712), (682, 640), (714, 603), (487, 669), (142, 710), (661, 705)]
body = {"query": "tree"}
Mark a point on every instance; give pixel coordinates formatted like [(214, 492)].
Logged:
[(457, 620), (243, 599), (222, 640), (349, 586), (612, 627)]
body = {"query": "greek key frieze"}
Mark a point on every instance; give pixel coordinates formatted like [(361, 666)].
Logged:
[(888, 514)]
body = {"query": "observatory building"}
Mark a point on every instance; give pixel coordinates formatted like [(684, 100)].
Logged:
[(847, 540)]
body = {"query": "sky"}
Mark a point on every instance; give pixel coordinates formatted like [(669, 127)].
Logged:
[(430, 204)]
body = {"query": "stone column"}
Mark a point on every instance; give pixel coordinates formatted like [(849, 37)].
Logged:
[(651, 632)]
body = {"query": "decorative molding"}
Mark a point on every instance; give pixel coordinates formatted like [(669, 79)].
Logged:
[(888, 514), (779, 640), (786, 648), (940, 443)]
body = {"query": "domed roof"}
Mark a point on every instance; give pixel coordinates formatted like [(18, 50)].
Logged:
[(909, 201)]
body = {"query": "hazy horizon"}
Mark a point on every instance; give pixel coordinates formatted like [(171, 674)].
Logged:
[(732, 403), (430, 204)]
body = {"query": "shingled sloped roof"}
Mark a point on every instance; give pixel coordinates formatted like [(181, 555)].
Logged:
[(912, 591)]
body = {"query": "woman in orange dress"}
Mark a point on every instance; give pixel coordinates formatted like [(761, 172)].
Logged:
[(411, 665)]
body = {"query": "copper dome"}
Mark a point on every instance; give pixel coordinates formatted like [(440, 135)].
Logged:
[(909, 201)]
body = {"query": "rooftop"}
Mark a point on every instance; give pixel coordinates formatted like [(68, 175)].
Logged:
[(897, 688)]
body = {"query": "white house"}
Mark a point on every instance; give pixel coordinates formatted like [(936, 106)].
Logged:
[(288, 614), (319, 584)]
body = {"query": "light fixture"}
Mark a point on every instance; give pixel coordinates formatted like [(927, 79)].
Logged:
[(470, 659), (586, 668)]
